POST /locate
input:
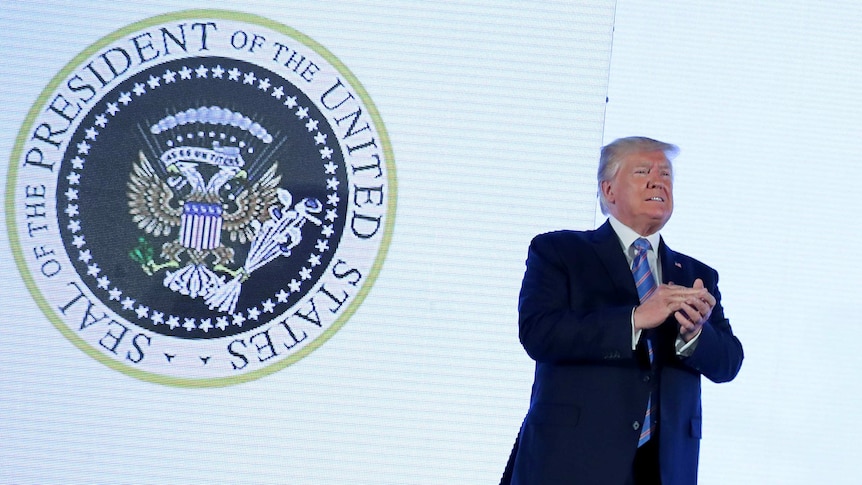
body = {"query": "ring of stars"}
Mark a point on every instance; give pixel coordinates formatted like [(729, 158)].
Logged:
[(128, 98)]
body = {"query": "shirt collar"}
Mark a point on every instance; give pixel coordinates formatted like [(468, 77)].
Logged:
[(627, 235)]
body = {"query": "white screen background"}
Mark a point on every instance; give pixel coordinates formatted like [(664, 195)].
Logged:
[(496, 112)]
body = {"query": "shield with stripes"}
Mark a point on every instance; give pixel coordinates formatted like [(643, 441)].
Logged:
[(200, 226)]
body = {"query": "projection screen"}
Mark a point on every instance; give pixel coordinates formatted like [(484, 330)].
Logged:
[(282, 242)]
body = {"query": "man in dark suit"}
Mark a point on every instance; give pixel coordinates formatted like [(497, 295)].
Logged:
[(616, 396)]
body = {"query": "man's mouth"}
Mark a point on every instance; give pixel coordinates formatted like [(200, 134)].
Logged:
[(657, 199)]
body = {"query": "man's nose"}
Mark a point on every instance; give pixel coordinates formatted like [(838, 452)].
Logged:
[(656, 182)]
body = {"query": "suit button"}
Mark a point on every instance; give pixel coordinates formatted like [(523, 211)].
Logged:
[(646, 378), (636, 425)]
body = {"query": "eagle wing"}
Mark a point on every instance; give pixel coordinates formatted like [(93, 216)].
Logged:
[(252, 204), (150, 200)]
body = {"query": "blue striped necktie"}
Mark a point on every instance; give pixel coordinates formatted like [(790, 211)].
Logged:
[(645, 283)]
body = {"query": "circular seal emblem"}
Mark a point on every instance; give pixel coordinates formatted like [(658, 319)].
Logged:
[(201, 198)]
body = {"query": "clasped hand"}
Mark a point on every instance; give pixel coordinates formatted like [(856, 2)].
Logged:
[(690, 306)]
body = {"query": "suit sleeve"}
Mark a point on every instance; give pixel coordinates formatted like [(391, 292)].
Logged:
[(718, 355), (559, 320)]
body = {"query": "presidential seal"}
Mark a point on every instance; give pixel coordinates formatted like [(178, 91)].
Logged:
[(201, 198)]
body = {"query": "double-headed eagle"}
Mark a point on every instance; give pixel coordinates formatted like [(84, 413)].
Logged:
[(185, 199)]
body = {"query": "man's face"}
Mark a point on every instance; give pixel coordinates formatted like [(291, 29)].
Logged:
[(641, 193)]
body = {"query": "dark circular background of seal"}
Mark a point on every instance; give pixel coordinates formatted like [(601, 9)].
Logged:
[(103, 206)]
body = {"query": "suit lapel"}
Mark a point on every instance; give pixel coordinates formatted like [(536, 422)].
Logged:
[(607, 247), (672, 270)]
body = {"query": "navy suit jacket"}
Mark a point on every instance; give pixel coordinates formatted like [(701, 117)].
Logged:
[(590, 390)]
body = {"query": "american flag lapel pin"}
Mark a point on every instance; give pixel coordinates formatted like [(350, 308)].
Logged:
[(678, 264)]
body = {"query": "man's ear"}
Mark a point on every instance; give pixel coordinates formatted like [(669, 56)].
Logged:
[(608, 192)]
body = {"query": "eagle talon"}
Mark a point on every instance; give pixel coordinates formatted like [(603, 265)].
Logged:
[(236, 273), (154, 268)]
